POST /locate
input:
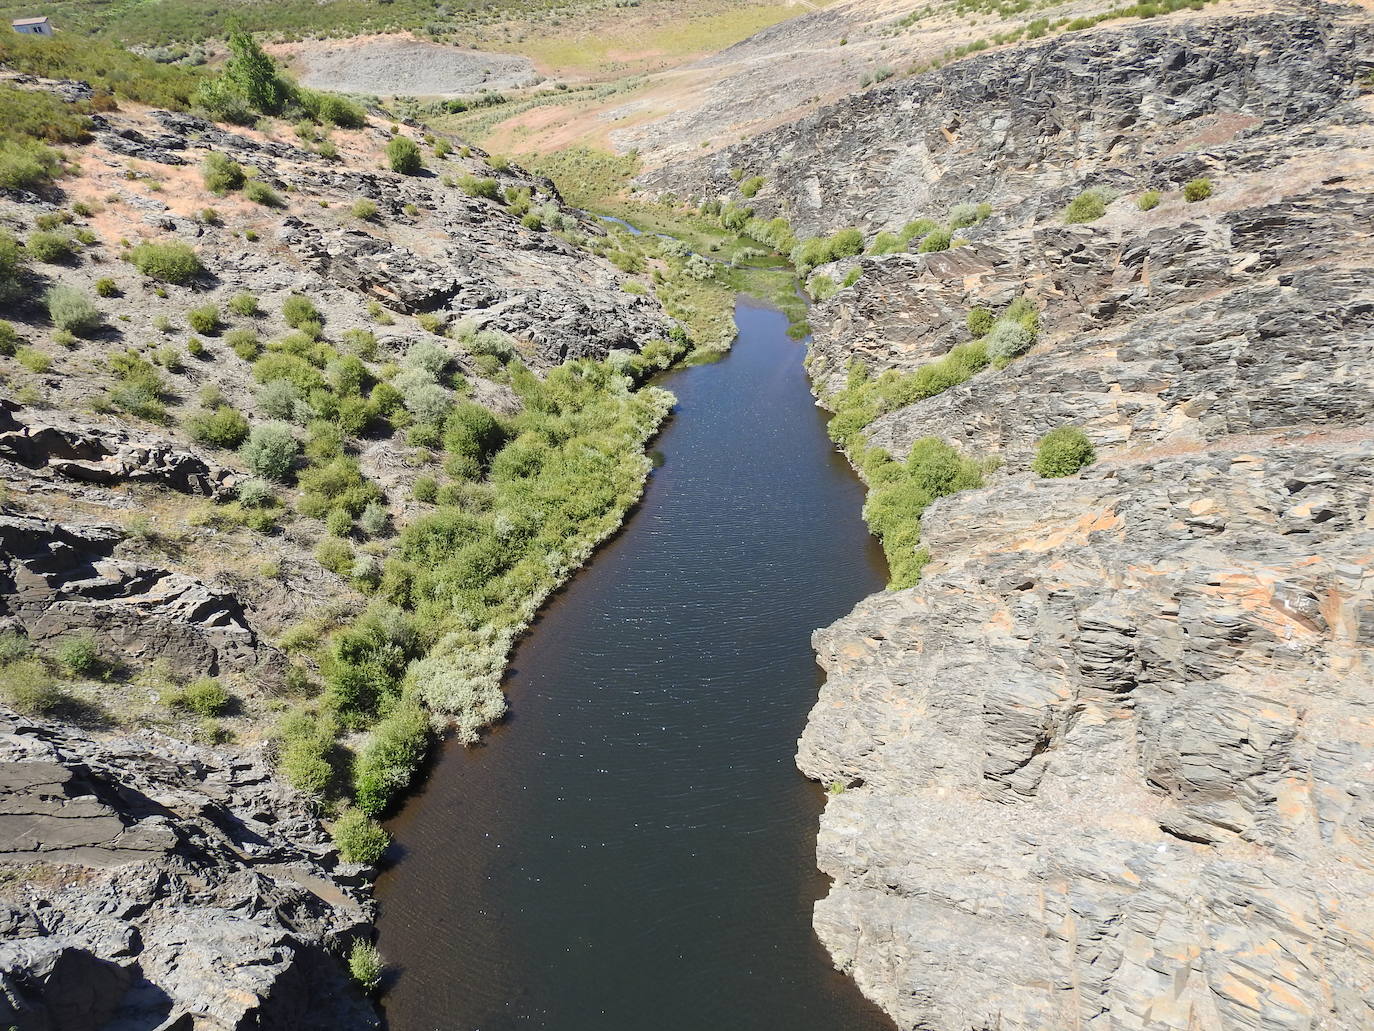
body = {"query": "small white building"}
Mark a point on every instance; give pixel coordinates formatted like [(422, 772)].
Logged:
[(33, 26)]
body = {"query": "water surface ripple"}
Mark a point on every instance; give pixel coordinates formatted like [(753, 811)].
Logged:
[(633, 848)]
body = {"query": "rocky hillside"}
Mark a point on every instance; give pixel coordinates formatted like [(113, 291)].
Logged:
[(145, 882), (237, 365), (1109, 763)]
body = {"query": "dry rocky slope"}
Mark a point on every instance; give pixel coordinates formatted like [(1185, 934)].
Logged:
[(1111, 763), (145, 882)]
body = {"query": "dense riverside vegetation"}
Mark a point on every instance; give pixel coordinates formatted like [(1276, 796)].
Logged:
[(528, 499), (900, 492)]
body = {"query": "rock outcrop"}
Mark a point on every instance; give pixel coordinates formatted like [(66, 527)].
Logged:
[(107, 456), (164, 885), (60, 580), (1110, 764)]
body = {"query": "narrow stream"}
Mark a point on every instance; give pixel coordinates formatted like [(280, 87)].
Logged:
[(633, 847)]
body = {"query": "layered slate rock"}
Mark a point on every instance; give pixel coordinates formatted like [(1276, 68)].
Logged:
[(1110, 762), (156, 884), (107, 456), (58, 579), (1110, 765)]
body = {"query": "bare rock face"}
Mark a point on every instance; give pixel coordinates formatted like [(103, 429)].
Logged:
[(107, 456), (1111, 760), (158, 884), (1110, 765), (57, 580)]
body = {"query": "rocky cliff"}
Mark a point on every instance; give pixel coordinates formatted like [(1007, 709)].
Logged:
[(1110, 764)]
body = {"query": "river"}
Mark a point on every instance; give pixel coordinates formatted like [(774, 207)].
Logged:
[(633, 847)]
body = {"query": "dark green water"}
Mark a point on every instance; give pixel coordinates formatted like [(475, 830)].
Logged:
[(633, 848)]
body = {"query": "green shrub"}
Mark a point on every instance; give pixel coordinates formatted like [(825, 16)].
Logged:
[(338, 523), (916, 229), (13, 647), (1149, 200), (359, 838), (140, 387), (1197, 189), (846, 243), (821, 287), (364, 209), (12, 259), (305, 744), (817, 251), (336, 484), (30, 688), (244, 343), (299, 311), (26, 164), (963, 215), (50, 248), (426, 489), (72, 310), (245, 305), (1008, 339), (980, 321), (935, 240), (365, 965), (106, 287), (34, 360), (169, 358), (260, 193), (885, 243), (204, 697), (402, 155), (388, 761), (79, 657), (1088, 206), (473, 433), (204, 318), (140, 400), (270, 451), (221, 427), (334, 555), (442, 148), (486, 188), (222, 173), (10, 340), (170, 262), (332, 109), (751, 186), (1063, 452), (360, 342)]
